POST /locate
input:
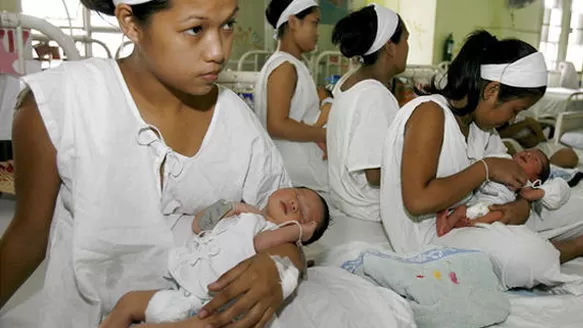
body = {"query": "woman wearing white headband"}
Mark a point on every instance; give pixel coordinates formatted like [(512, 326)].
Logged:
[(117, 157), (435, 156), (364, 107), (286, 99)]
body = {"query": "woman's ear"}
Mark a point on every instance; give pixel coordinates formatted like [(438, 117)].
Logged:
[(391, 49), (491, 91), (293, 22), (127, 22)]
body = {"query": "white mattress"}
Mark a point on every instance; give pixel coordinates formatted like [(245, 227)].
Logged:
[(529, 309), (580, 154), (551, 104)]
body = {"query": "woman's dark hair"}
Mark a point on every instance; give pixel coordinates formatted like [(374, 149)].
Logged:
[(355, 34), (319, 232), (276, 8), (463, 75), (141, 12)]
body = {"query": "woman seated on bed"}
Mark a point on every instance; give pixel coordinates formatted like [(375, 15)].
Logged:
[(364, 107), (530, 133), (286, 99), (114, 158), (435, 156)]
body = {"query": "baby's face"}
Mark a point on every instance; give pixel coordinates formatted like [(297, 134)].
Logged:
[(295, 204), (532, 162)]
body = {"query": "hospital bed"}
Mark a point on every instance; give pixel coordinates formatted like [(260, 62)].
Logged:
[(21, 25), (329, 63), (528, 308), (253, 59), (572, 123)]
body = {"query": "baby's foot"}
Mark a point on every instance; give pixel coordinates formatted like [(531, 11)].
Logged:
[(442, 223)]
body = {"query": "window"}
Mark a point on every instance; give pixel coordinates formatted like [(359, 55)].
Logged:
[(562, 32), (72, 17), (575, 42)]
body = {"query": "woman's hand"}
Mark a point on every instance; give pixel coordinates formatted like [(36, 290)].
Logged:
[(254, 286), (506, 171), (513, 213), (322, 146)]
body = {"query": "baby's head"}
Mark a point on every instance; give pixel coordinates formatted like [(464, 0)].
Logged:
[(535, 163), (303, 205)]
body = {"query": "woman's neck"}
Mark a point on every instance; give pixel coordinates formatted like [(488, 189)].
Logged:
[(372, 72), (463, 121), (287, 44)]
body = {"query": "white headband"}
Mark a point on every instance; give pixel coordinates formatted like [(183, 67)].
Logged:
[(387, 22), (130, 2), (294, 8), (527, 72)]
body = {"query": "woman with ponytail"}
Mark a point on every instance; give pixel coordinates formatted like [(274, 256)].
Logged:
[(435, 155)]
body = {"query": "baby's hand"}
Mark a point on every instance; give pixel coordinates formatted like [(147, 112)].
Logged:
[(532, 194), (243, 208)]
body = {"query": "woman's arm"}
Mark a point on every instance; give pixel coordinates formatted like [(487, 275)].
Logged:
[(280, 89), (23, 246), (422, 191), (256, 283)]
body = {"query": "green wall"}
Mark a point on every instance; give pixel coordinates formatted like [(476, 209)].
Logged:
[(10, 5), (461, 17)]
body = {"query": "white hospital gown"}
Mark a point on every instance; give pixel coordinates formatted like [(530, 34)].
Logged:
[(201, 261), (303, 160), (357, 126), (114, 221), (520, 257)]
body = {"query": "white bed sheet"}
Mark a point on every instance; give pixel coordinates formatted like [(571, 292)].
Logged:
[(528, 309), (551, 104)]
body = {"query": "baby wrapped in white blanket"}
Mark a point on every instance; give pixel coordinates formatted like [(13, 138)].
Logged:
[(294, 215), (551, 193)]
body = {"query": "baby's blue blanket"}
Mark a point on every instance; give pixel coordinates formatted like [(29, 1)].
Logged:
[(446, 287)]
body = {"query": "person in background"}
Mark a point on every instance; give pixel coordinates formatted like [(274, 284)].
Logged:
[(364, 107), (436, 155), (286, 98)]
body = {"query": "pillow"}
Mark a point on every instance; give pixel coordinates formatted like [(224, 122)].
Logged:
[(573, 138)]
